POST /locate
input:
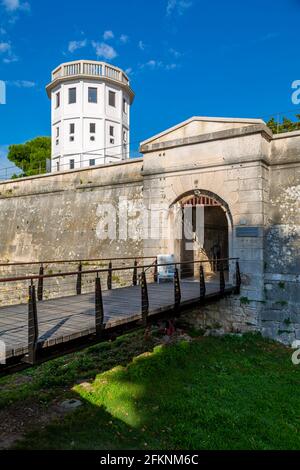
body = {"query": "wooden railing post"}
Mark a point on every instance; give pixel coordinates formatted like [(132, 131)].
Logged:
[(145, 298), (40, 284), (33, 332), (134, 276), (177, 291), (202, 284), (222, 278), (99, 311), (155, 273), (109, 276), (79, 280), (238, 280)]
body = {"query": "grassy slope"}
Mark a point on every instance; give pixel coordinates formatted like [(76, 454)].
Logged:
[(212, 393)]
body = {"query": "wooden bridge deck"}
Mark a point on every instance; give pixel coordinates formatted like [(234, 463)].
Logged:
[(68, 318)]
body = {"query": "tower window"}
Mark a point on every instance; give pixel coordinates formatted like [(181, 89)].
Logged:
[(92, 138), (57, 100), (124, 106), (124, 137), (72, 95), (92, 128), (72, 164), (93, 95), (57, 132), (72, 128), (112, 98), (92, 162), (57, 166)]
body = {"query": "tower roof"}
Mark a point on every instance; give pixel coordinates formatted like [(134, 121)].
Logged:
[(91, 70)]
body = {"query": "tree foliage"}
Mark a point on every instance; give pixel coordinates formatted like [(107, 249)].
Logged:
[(285, 125), (31, 156)]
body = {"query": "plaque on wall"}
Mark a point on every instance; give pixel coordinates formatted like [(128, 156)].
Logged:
[(247, 231)]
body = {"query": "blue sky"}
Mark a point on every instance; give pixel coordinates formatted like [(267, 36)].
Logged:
[(184, 58)]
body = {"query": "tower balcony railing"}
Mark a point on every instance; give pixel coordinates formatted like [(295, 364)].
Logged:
[(90, 68)]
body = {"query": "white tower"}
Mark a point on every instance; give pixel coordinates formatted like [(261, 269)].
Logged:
[(90, 114)]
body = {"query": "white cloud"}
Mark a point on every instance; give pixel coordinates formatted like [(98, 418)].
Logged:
[(11, 5), (178, 6), (74, 45), (141, 45), (22, 84), (5, 47), (175, 53), (10, 58), (13, 8), (108, 35), (171, 66), (15, 5), (124, 38), (152, 64), (128, 71), (104, 50), (158, 65)]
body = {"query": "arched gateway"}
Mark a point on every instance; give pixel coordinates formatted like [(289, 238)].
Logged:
[(202, 231)]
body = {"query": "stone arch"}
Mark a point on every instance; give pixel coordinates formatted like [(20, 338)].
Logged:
[(211, 196), (204, 192)]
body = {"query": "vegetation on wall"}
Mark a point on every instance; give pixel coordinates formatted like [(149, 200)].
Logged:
[(285, 125), (31, 156)]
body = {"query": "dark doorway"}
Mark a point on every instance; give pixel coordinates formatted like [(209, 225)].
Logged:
[(211, 244)]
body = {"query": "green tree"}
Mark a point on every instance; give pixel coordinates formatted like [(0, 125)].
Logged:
[(31, 156), (285, 125)]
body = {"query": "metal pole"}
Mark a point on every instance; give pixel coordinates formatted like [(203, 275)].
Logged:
[(99, 311), (177, 291), (109, 276), (155, 273), (41, 284), (202, 284), (237, 278), (32, 326), (134, 276), (79, 280), (145, 298)]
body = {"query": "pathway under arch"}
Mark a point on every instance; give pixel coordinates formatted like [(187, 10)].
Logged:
[(202, 229)]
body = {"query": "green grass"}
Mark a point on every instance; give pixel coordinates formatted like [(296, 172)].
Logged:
[(212, 393), (45, 382)]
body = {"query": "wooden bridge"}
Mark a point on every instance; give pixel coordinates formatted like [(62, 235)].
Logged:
[(43, 328)]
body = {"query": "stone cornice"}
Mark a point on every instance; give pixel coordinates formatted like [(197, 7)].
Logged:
[(129, 161), (167, 171), (262, 129)]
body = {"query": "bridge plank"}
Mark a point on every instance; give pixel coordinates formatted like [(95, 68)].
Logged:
[(71, 317)]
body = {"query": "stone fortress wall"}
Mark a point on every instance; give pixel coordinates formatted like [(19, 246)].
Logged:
[(254, 174)]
